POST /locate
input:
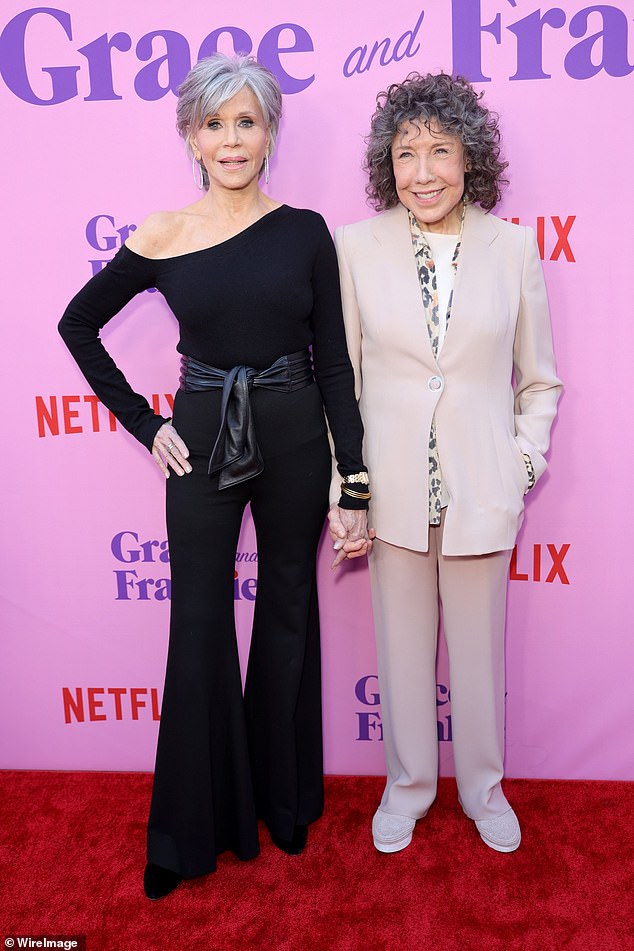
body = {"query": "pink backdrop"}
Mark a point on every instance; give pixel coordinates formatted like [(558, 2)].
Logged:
[(84, 627)]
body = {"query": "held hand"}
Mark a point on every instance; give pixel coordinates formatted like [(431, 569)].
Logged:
[(169, 449), (349, 533)]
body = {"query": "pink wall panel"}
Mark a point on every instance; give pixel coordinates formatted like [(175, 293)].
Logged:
[(82, 593)]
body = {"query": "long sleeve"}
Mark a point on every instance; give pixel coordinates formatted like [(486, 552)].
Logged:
[(352, 329), (537, 387), (95, 304), (332, 364)]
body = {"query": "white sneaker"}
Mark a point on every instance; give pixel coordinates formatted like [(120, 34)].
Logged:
[(391, 833), (501, 833)]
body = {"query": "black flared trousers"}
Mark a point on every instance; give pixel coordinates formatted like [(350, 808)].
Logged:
[(224, 759)]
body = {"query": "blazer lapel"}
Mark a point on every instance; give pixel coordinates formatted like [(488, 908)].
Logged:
[(479, 233), (391, 231)]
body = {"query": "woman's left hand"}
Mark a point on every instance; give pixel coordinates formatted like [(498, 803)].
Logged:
[(169, 449), (349, 533)]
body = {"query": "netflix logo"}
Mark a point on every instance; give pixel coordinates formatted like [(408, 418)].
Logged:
[(97, 704), (70, 415), (553, 236), (543, 563)]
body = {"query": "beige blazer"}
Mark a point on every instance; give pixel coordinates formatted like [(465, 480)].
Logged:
[(493, 388)]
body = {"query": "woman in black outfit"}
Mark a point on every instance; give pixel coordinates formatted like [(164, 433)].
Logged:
[(253, 283)]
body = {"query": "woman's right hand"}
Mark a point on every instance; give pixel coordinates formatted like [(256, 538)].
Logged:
[(169, 449), (349, 533)]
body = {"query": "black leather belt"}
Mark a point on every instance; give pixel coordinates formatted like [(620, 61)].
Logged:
[(236, 455)]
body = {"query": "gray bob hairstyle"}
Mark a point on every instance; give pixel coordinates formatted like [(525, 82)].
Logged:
[(456, 107), (216, 79)]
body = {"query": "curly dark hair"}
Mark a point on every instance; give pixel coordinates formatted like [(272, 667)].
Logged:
[(454, 104)]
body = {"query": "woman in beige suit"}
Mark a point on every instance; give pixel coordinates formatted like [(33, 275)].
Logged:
[(449, 335)]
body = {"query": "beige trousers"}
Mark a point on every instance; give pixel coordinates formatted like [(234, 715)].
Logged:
[(407, 587)]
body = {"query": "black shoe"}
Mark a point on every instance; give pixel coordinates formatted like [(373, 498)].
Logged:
[(295, 845), (159, 882)]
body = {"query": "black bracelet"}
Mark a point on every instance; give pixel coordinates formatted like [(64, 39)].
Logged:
[(347, 502)]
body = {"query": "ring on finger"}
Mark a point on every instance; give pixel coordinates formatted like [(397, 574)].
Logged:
[(170, 447)]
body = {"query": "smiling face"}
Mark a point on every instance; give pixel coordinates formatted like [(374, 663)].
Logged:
[(429, 168), (233, 142)]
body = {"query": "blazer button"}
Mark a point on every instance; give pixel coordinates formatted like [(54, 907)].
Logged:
[(434, 383)]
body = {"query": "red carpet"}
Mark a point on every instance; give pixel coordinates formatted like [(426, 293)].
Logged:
[(73, 858)]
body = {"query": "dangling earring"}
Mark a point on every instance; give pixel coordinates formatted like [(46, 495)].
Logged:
[(266, 168), (198, 179)]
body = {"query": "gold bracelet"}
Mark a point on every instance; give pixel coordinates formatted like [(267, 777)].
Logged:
[(355, 495)]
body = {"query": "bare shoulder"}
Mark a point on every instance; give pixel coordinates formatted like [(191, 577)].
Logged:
[(158, 235)]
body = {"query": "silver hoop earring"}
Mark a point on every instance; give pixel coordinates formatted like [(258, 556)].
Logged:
[(198, 179), (266, 168)]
